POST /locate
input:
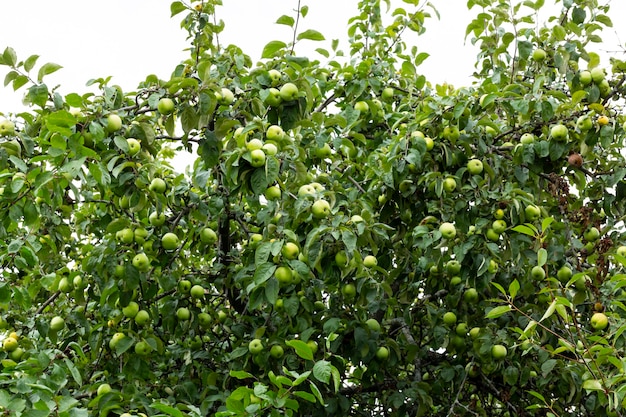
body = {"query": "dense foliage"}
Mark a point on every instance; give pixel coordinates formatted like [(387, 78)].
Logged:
[(349, 239)]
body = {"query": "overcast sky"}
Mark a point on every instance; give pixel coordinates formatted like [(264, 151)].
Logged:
[(130, 39)]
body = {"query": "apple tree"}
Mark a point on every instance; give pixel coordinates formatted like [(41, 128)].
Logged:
[(348, 238)]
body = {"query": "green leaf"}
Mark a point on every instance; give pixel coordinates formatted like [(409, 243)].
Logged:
[(322, 371), (302, 349), (498, 311), (30, 62), (514, 288), (527, 229), (317, 392), (285, 20), (176, 8), (9, 57), (46, 69), (241, 374), (312, 35), (169, 410), (270, 50), (542, 257), (549, 311), (593, 385)]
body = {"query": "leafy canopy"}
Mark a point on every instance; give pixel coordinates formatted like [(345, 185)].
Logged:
[(349, 238)]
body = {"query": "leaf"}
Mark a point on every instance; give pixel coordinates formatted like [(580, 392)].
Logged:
[(302, 349), (549, 311), (498, 311), (305, 395), (593, 385), (542, 257), (176, 8), (169, 410), (322, 371), (317, 393), (9, 57), (46, 69), (30, 62), (285, 20), (241, 374), (312, 35), (527, 229), (514, 288), (270, 49)]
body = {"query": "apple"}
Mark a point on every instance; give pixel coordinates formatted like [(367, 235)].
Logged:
[(373, 325), (158, 186), (584, 123), (290, 250), (255, 346), (114, 123), (275, 76), (451, 133), (448, 231), (289, 92), (142, 348), (10, 344), (255, 238), (140, 235), (532, 212), (273, 193), (599, 321), (461, 329), (7, 128), (382, 353), (539, 55), (454, 281), (449, 318), (141, 262), (125, 235), (537, 273), (274, 132), (257, 158), (348, 290), (131, 310), (115, 339), (341, 259), (254, 144), (324, 151), (284, 275), (225, 96), (597, 75), (361, 106), (474, 332), (453, 267), (17, 354), (320, 209), (370, 261), (387, 94), (499, 214), (277, 352), (170, 241), (204, 319), (559, 132), (134, 146), (585, 78), (306, 189), (208, 236), (621, 251), (270, 149), (498, 352), (592, 234), (165, 105), (57, 323), (65, 285), (184, 286), (103, 389), (449, 184), (197, 291), (527, 138), (492, 235), (183, 314), (498, 226), (475, 166), (603, 120), (470, 295), (312, 344), (273, 98), (142, 318), (564, 274)]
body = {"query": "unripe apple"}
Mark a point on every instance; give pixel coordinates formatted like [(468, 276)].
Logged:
[(559, 132), (449, 184), (361, 106), (170, 241), (320, 209), (599, 321), (373, 325), (270, 149), (197, 291), (289, 92), (387, 94), (273, 193), (532, 212), (277, 351), (290, 250), (141, 262), (597, 75), (275, 77), (131, 310), (142, 318), (103, 389), (382, 353), (284, 275), (254, 144), (225, 96), (370, 261), (449, 318), (255, 346), (257, 158), (166, 105), (158, 185), (134, 146), (274, 133), (7, 128), (448, 231), (564, 274), (114, 123), (585, 78), (498, 352), (348, 290), (537, 273), (527, 138), (475, 166), (183, 314), (57, 323)]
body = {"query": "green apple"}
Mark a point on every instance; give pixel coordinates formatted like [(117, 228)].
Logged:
[(225, 96), (141, 262), (323, 151), (142, 348), (17, 354), (537, 273), (527, 138), (539, 55), (312, 344), (208, 236), (320, 209), (532, 212), (170, 241), (204, 319), (475, 166), (158, 185), (448, 231), (134, 146), (156, 219), (361, 106), (284, 275), (584, 123), (599, 321), (140, 235), (274, 133), (184, 286), (270, 149), (348, 290), (7, 128), (255, 346), (273, 193), (277, 351), (254, 144), (498, 352), (166, 105), (103, 389), (57, 323), (289, 92), (373, 325), (449, 318), (125, 235), (142, 318), (499, 214), (65, 285), (451, 133), (341, 259), (275, 76), (9, 344), (183, 314), (453, 267), (131, 310), (115, 339), (382, 353), (461, 329), (114, 123), (273, 98), (474, 332), (370, 261), (470, 295), (290, 250), (492, 235), (454, 281), (197, 291), (255, 238), (306, 189), (257, 158), (564, 274), (592, 234), (621, 251), (559, 132), (585, 78), (387, 94), (449, 184), (499, 226), (597, 75)]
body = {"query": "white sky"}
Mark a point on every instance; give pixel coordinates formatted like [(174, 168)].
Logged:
[(130, 39)]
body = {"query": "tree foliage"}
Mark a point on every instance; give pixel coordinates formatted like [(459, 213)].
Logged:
[(349, 238)]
